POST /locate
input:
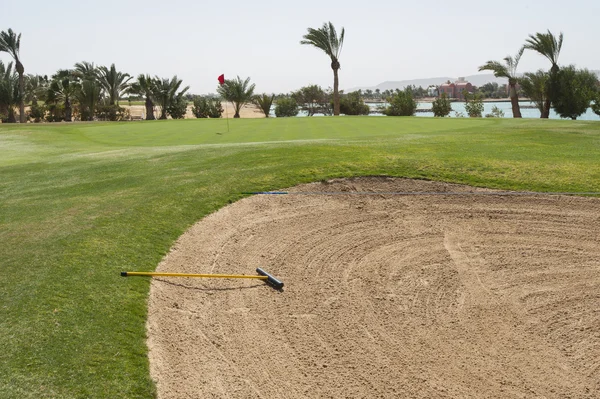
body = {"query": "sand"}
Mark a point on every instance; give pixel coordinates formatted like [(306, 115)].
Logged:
[(247, 111), (385, 296)]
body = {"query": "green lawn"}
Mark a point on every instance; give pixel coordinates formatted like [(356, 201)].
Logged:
[(81, 202)]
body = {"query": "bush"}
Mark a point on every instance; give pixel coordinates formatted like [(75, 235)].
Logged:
[(401, 104), (56, 113), (37, 112), (596, 104), (205, 107), (442, 106), (496, 113), (314, 100), (473, 105), (111, 113), (286, 106), (353, 104), (574, 91), (177, 108)]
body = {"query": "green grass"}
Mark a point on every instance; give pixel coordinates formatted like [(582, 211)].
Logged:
[(81, 202)]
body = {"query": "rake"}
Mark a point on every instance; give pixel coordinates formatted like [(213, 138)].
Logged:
[(263, 275)]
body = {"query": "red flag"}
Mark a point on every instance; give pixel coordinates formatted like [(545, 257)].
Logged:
[(222, 79)]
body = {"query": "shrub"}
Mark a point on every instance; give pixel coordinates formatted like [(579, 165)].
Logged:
[(401, 104), (441, 106), (177, 108), (473, 105), (353, 104), (286, 106), (56, 113), (37, 112), (205, 107), (596, 104), (314, 100), (496, 113), (111, 113), (574, 90)]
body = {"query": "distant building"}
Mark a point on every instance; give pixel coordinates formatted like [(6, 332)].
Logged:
[(432, 91), (456, 89)]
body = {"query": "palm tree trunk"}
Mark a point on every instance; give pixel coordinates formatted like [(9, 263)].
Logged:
[(514, 100), (21, 71), (546, 111), (336, 93), (237, 107), (149, 110), (68, 112)]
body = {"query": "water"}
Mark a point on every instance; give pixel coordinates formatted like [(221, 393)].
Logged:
[(504, 106), (487, 109)]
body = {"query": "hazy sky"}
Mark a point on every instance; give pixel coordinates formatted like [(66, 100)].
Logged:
[(385, 39)]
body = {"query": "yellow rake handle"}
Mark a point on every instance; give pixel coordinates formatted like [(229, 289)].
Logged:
[(157, 274)]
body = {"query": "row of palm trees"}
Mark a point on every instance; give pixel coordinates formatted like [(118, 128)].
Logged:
[(93, 90), (88, 86)]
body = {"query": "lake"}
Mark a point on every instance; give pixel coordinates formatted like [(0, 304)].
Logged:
[(487, 108)]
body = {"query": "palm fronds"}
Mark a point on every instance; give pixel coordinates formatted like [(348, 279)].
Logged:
[(546, 44), (237, 91), (264, 102)]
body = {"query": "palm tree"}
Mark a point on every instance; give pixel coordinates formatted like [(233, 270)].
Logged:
[(9, 92), (88, 95), (534, 87), (165, 93), (90, 88), (86, 71), (549, 46), (145, 87), (237, 91), (11, 44), (114, 83), (509, 71), (36, 87), (63, 89), (327, 40), (265, 102)]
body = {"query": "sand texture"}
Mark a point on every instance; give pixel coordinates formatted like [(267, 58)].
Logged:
[(385, 296), (247, 111)]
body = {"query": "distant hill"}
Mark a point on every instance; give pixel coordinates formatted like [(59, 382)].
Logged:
[(475, 80)]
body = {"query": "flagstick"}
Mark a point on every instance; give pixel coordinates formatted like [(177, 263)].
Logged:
[(227, 115)]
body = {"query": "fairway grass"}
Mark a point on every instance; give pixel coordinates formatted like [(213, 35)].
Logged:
[(82, 202)]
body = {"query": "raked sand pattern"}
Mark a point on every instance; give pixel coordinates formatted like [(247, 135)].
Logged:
[(385, 296)]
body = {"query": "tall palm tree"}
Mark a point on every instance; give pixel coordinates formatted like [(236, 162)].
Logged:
[(9, 92), (547, 45), (327, 40), (114, 83), (10, 43), (237, 91), (165, 92), (145, 87), (509, 71)]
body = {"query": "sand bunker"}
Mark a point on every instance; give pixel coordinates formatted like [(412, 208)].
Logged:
[(385, 296)]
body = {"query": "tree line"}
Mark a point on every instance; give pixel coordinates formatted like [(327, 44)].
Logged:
[(88, 92)]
